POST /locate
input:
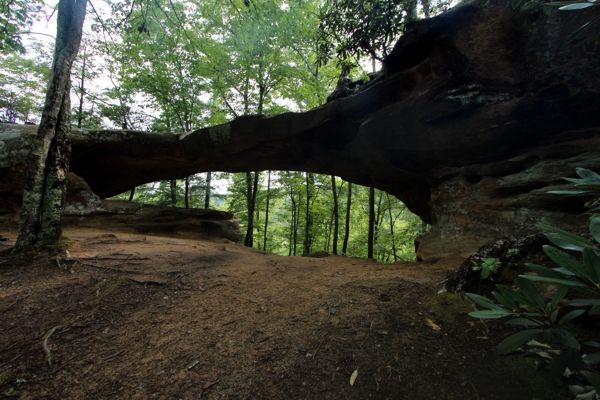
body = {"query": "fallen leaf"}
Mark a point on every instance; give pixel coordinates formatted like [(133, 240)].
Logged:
[(210, 384), (353, 377), (433, 325)]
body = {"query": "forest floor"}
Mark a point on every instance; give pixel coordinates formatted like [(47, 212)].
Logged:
[(146, 317)]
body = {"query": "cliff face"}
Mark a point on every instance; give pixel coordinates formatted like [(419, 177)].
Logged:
[(479, 111)]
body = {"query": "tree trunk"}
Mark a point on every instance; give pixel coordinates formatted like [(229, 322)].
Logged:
[(307, 235), (71, 14), (371, 222), (187, 192), (252, 189), (392, 228), (267, 210), (131, 194), (347, 231), (336, 222), (82, 88), (173, 185), (207, 196)]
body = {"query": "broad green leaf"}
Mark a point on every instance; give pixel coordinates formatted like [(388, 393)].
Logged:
[(516, 340), (595, 227), (483, 301), (591, 261), (531, 293), (593, 358), (567, 191), (584, 302), (566, 261), (553, 281), (489, 314), (508, 303), (566, 236), (553, 316), (595, 310), (525, 321), (563, 337), (512, 295), (569, 358), (563, 244), (569, 316), (581, 29), (592, 344), (576, 6), (594, 379), (558, 296), (587, 174)]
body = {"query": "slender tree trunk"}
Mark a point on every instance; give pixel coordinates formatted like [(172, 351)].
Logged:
[(293, 224), (187, 192), (82, 88), (267, 210), (392, 228), (371, 222), (336, 217), (207, 196), (131, 194), (251, 206), (347, 231), (173, 185), (378, 219), (307, 233), (36, 199)]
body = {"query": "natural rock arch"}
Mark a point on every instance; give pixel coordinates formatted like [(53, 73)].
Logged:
[(478, 112)]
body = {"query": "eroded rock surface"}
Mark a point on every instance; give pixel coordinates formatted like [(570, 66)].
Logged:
[(479, 111)]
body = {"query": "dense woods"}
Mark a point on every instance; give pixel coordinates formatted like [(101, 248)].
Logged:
[(174, 66)]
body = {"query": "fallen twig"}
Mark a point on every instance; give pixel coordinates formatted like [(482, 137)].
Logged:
[(45, 346), (62, 366), (113, 355), (9, 361), (317, 350), (15, 302)]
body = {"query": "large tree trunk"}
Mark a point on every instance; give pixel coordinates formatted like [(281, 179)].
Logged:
[(37, 199), (173, 186)]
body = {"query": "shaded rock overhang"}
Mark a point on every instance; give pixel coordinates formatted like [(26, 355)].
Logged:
[(477, 111)]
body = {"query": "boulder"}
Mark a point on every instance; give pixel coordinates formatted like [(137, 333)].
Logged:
[(478, 113)]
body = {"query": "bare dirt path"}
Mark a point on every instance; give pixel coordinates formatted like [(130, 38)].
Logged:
[(141, 317)]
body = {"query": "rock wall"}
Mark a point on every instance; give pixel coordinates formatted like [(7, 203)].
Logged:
[(478, 112)]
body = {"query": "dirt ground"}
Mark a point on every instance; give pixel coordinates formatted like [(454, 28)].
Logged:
[(143, 317)]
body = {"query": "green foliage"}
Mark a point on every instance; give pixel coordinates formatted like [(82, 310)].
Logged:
[(24, 82), (528, 308), (351, 29), (16, 16), (488, 266)]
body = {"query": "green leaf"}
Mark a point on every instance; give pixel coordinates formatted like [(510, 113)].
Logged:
[(592, 358), (489, 314), (569, 316), (483, 301), (569, 358), (563, 337), (581, 29), (553, 281), (576, 6), (558, 296), (592, 344), (553, 316), (591, 261), (595, 227), (531, 294), (595, 310), (565, 236), (516, 340), (512, 296), (525, 321), (566, 261), (504, 301), (515, 3), (594, 379), (587, 174), (567, 191)]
